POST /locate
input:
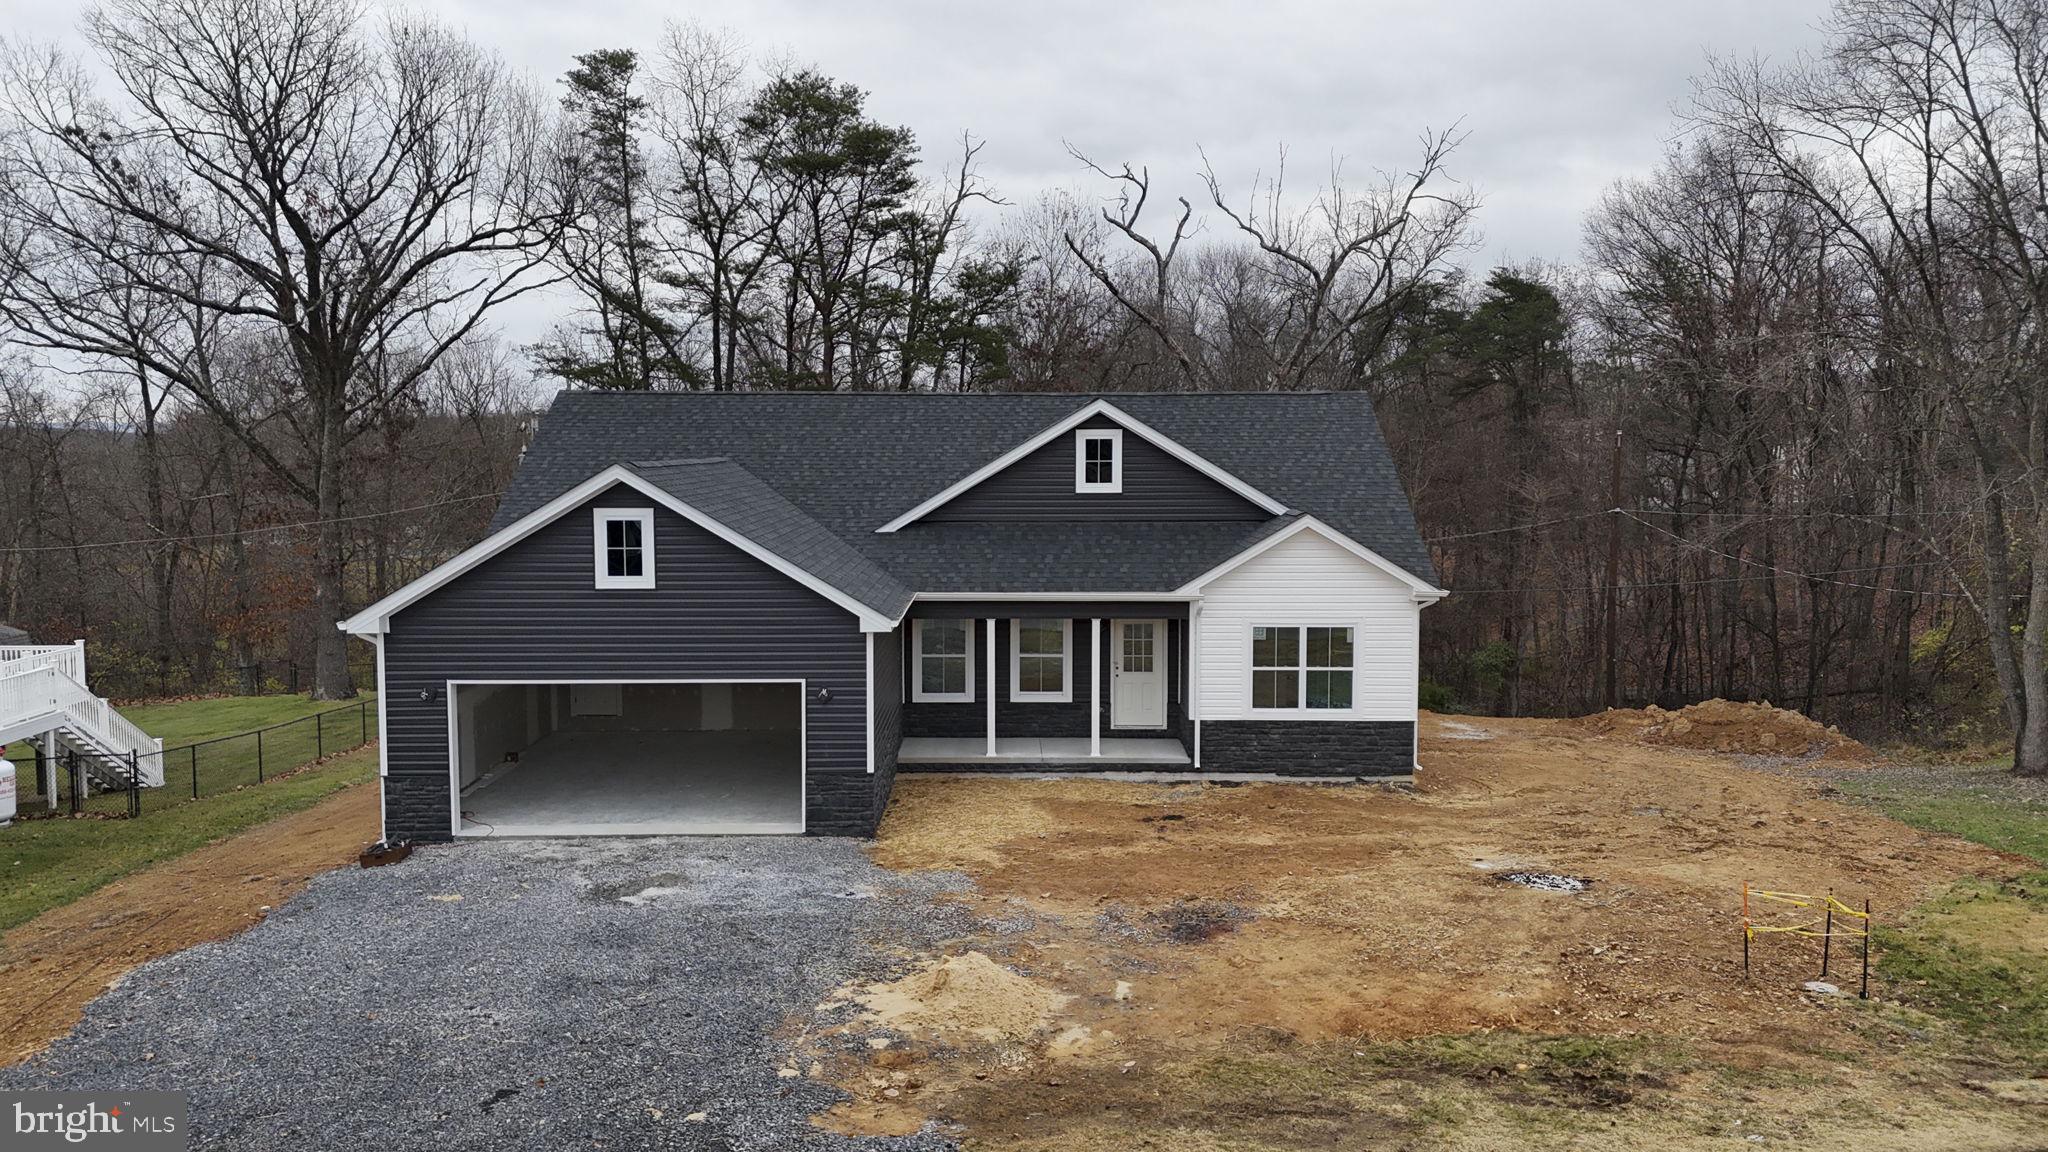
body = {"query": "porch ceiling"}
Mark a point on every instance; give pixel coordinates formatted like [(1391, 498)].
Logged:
[(1054, 609)]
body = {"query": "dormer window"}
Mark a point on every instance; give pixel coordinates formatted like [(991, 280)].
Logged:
[(624, 547), (1099, 460)]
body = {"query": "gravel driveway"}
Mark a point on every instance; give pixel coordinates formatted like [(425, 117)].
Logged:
[(516, 994)]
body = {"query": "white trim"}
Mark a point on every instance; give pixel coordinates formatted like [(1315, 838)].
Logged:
[(990, 656), (1194, 687), (1066, 693), (1027, 597), (867, 641), (1415, 697), (1301, 711), (377, 617), (917, 693), (1074, 420), (1115, 437), (1101, 631), (1422, 590), (383, 744), (650, 828), (601, 552)]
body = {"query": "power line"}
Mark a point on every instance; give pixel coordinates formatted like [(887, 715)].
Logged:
[(1750, 517), (1654, 584), (1521, 527), (267, 529)]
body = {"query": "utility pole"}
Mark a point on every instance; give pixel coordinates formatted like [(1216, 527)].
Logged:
[(1613, 628)]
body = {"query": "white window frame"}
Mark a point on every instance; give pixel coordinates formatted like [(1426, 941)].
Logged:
[(918, 695), (1301, 710), (1066, 693), (606, 516), (1082, 438)]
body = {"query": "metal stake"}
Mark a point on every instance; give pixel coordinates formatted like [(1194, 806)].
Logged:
[(1827, 934), (1745, 929), (1865, 993)]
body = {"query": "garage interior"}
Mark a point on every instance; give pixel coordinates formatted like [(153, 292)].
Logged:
[(627, 759)]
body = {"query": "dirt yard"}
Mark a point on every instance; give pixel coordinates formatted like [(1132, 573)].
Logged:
[(54, 965), (1301, 965)]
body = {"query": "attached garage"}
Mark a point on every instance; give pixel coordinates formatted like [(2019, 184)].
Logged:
[(626, 757)]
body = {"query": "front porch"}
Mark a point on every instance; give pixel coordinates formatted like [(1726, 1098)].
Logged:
[(1046, 684), (1041, 752)]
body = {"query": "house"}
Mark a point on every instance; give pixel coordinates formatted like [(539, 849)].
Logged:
[(745, 612)]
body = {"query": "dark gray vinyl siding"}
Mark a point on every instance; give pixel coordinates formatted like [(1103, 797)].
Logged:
[(888, 698), (1041, 487), (1039, 719), (532, 613)]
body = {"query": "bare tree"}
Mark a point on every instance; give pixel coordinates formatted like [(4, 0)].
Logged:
[(1133, 192), (1333, 270), (275, 172), (1922, 135)]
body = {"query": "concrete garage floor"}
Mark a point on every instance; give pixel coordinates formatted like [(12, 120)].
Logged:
[(643, 784)]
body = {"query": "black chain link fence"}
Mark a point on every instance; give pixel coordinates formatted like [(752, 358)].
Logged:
[(190, 771), (127, 678)]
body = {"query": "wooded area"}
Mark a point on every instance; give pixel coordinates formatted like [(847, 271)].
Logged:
[(249, 285)]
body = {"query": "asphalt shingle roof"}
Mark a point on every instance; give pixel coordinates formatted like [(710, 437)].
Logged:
[(736, 498), (810, 468)]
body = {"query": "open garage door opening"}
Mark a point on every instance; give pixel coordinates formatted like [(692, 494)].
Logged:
[(626, 758)]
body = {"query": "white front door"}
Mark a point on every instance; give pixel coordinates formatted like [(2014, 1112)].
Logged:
[(1137, 685)]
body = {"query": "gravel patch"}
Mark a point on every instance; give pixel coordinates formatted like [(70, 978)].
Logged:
[(519, 994)]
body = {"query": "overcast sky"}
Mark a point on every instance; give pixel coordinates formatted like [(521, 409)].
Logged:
[(1561, 97)]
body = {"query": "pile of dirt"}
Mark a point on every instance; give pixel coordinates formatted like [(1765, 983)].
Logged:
[(961, 996), (1731, 727)]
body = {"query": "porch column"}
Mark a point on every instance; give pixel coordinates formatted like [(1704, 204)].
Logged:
[(989, 679), (1192, 698), (1095, 698), (49, 748)]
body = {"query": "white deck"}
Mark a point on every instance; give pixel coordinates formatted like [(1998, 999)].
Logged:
[(1039, 750)]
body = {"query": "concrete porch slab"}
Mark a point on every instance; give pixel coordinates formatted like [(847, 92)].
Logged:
[(1039, 750)]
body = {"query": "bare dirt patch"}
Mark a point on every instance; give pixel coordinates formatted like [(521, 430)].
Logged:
[(1361, 917), (964, 997), (52, 966)]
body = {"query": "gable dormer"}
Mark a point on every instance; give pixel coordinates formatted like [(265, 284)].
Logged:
[(1098, 464)]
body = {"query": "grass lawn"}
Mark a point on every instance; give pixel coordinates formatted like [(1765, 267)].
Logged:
[(190, 721), (1981, 802), (48, 862), (1972, 957)]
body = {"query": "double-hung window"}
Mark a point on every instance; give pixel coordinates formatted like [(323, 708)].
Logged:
[(623, 543), (1302, 668), (1099, 460), (942, 670), (1041, 661)]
